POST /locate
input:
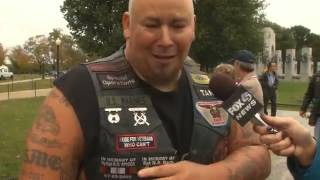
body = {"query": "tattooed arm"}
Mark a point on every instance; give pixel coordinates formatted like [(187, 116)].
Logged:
[(55, 143), (248, 158)]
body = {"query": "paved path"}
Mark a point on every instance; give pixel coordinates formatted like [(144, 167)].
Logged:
[(24, 94), (25, 80)]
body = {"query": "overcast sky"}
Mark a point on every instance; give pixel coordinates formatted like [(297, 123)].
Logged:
[(21, 19)]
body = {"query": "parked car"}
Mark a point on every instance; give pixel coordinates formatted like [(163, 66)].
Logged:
[(5, 73)]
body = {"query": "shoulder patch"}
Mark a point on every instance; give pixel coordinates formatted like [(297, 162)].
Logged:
[(213, 112), (200, 78)]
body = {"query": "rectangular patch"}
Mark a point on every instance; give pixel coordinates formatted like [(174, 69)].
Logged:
[(213, 112), (129, 142), (203, 92), (118, 80), (123, 101)]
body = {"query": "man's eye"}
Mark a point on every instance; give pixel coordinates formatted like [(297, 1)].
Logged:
[(151, 25), (179, 26)]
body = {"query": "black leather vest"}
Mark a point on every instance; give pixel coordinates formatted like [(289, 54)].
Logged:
[(131, 134)]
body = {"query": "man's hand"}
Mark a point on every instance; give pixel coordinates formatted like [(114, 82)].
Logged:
[(185, 170), (293, 139)]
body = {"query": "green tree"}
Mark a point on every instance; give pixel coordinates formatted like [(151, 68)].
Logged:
[(38, 46), (313, 40), (224, 26), (2, 54), (95, 24), (70, 53), (21, 60), (300, 34)]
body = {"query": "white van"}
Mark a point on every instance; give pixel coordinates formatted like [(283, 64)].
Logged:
[(5, 73)]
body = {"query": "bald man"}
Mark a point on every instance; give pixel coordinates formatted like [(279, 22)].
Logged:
[(143, 112)]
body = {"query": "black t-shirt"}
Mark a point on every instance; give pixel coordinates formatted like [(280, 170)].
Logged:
[(174, 108)]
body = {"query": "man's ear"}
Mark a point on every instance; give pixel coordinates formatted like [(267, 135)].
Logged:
[(126, 25)]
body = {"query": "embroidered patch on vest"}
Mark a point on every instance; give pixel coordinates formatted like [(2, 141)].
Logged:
[(212, 111), (128, 142), (119, 167), (113, 115), (124, 101), (117, 80), (200, 78), (139, 116), (203, 92)]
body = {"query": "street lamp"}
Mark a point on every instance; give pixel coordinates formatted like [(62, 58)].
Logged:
[(58, 42), (43, 56)]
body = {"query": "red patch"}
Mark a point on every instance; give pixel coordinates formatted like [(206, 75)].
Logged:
[(213, 112), (135, 142)]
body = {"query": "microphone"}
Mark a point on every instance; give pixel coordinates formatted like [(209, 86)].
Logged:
[(237, 101)]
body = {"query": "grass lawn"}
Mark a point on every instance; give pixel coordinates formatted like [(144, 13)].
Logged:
[(40, 84), (16, 117), (292, 92)]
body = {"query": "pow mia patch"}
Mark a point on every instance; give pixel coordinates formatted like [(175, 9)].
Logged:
[(212, 111), (200, 78), (118, 80)]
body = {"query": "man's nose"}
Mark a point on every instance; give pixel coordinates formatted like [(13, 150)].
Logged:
[(165, 37)]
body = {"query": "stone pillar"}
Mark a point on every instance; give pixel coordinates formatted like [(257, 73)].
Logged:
[(290, 72), (259, 65), (278, 58), (306, 63)]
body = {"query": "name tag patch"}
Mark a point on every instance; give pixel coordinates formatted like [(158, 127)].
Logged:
[(128, 142), (203, 92), (126, 101), (213, 112), (120, 80)]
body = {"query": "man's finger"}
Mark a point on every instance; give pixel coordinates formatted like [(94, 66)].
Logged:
[(272, 138), (158, 171), (262, 130), (281, 145), (279, 123), (288, 151)]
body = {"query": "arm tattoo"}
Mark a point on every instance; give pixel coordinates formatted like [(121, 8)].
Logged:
[(32, 175), (46, 121), (61, 99), (51, 162), (49, 143), (43, 159)]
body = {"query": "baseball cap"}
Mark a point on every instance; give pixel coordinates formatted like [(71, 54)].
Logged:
[(244, 56)]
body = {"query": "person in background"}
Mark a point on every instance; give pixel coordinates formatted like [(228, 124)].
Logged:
[(313, 95), (226, 69), (269, 83), (143, 112), (294, 141), (244, 68)]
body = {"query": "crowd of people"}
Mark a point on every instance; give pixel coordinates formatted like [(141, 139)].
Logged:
[(146, 112)]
